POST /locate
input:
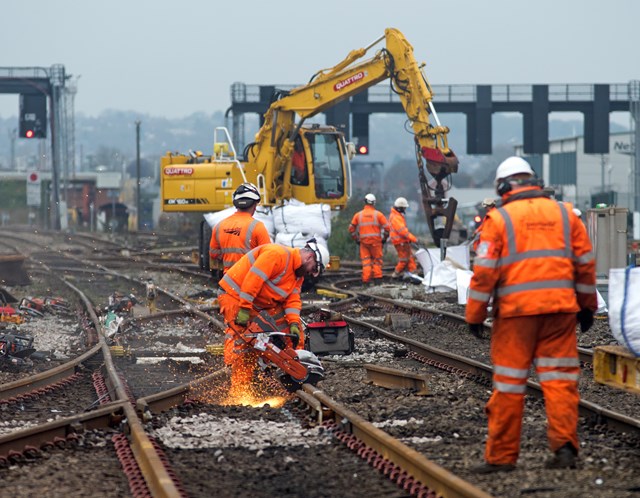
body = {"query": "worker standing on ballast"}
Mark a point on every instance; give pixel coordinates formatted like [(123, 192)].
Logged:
[(535, 258), (236, 235), (370, 229), (402, 238), (267, 278)]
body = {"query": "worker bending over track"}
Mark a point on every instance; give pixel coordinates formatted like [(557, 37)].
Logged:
[(268, 278)]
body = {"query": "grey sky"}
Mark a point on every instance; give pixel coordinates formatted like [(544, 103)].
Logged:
[(176, 58)]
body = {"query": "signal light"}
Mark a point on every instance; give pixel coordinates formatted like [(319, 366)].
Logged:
[(477, 219), (28, 134), (363, 149)]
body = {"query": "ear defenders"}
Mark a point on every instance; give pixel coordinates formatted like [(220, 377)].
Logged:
[(505, 185)]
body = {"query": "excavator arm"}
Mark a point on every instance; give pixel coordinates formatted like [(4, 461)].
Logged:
[(271, 153)]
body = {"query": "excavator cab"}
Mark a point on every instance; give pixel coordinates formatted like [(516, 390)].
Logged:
[(320, 169)]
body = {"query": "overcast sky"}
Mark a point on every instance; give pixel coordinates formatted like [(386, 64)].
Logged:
[(176, 58)]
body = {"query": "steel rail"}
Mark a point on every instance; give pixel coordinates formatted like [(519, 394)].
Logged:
[(456, 363), (440, 481)]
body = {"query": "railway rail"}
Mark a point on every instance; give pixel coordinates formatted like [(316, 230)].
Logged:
[(407, 405)]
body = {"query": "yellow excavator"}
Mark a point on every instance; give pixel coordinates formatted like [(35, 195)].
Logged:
[(291, 159)]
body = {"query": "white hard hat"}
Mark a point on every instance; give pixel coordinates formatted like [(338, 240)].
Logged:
[(370, 198), (321, 254), (401, 202), (512, 166), (246, 195)]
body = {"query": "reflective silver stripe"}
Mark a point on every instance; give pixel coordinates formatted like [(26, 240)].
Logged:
[(566, 228), (479, 296), (503, 387), (247, 239), (485, 262), (228, 264), (231, 283), (296, 291), (511, 233), (252, 255), (245, 296), (538, 253), (547, 376), (516, 373), (277, 279), (294, 311), (230, 336), (233, 250), (370, 235), (257, 271), (276, 289), (278, 316), (585, 258), (585, 289), (537, 285), (557, 362)]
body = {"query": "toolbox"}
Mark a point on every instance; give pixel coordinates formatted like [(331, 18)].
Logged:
[(330, 337)]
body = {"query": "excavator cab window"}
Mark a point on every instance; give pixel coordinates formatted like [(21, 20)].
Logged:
[(299, 171), (328, 168)]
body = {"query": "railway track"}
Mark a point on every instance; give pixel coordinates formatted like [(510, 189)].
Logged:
[(401, 416)]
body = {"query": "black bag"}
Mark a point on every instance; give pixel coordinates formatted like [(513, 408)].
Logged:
[(324, 338)]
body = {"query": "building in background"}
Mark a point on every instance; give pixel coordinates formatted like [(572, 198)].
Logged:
[(588, 179)]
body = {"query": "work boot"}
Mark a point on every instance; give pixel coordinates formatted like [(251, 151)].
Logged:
[(490, 468), (377, 281), (396, 275), (565, 458)]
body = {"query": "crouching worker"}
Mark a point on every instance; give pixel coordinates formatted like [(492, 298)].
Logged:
[(267, 278)]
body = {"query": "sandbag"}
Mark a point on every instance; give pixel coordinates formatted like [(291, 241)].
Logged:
[(624, 307)]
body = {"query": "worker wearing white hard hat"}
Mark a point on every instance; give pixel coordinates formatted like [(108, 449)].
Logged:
[(370, 230), (535, 259), (401, 238)]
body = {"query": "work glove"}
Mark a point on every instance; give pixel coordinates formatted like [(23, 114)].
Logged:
[(294, 329), (242, 318), (476, 329), (585, 319), (384, 239)]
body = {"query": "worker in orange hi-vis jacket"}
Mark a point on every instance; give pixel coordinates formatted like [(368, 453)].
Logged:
[(268, 278), (370, 229), (402, 238), (236, 235), (535, 259)]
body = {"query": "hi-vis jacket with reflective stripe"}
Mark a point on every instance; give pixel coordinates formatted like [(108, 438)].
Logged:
[(366, 226), (535, 257), (265, 277), (400, 234), (235, 236)]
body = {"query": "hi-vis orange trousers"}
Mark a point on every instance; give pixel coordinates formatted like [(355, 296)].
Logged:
[(549, 341)]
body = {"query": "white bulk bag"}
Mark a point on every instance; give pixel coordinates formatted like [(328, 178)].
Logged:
[(463, 282), (214, 218), (307, 218), (624, 307), (297, 239)]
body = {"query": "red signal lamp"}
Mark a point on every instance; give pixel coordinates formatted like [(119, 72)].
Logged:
[(363, 149), (477, 219), (29, 134)]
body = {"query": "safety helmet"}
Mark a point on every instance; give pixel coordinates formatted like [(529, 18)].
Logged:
[(512, 166), (401, 202), (370, 199), (245, 196), (321, 254)]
